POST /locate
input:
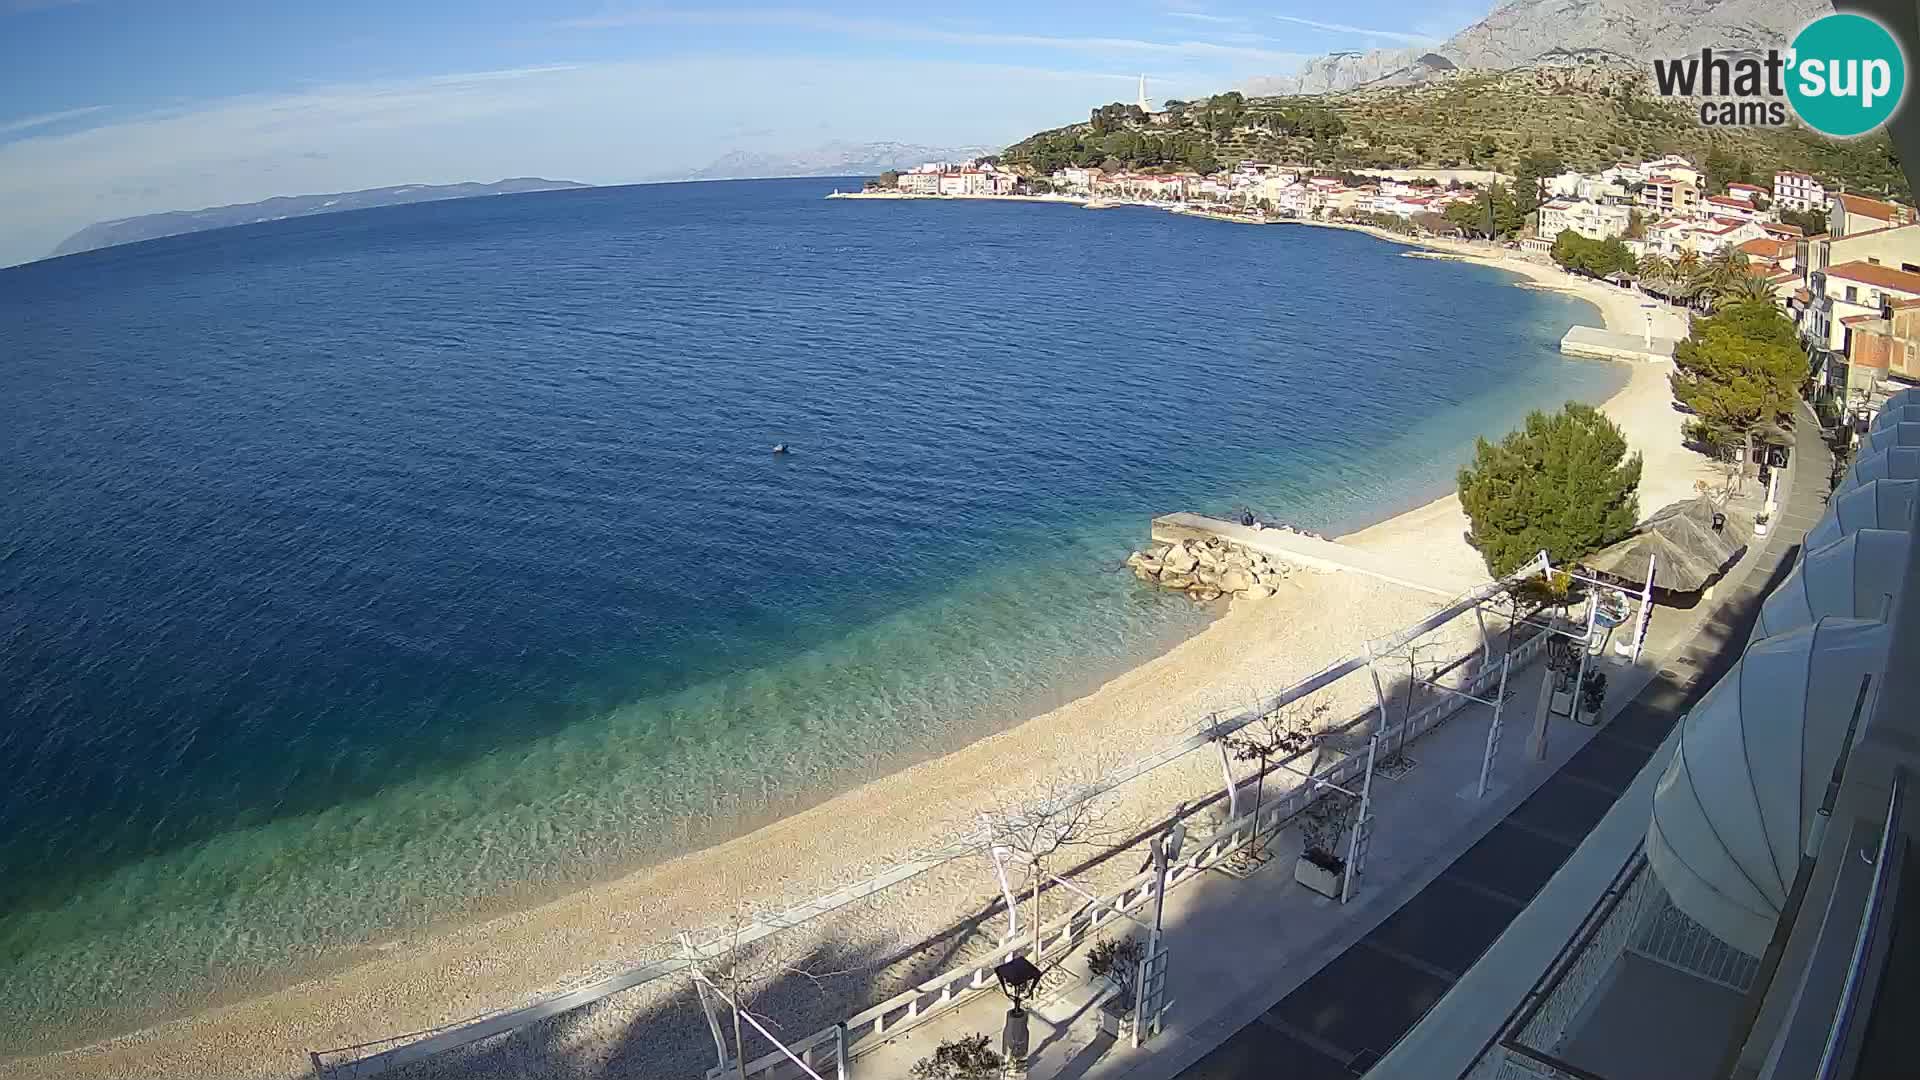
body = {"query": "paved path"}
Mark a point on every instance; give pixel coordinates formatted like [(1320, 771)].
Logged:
[(1303, 550), (1344, 1019)]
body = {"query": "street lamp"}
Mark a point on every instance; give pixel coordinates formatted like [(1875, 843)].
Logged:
[(1018, 978)]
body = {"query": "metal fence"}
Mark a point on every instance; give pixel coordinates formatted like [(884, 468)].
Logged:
[(944, 992), (896, 1015)]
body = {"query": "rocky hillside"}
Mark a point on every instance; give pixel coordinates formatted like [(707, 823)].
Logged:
[(1587, 115), (1524, 32), (1335, 72), (1521, 31)]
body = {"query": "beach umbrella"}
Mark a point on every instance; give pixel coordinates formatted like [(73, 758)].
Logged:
[(1893, 463), (1890, 436), (1878, 504), (1855, 577), (1736, 806), (1691, 542)]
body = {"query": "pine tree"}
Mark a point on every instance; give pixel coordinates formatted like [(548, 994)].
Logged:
[(1563, 484), (1739, 372)]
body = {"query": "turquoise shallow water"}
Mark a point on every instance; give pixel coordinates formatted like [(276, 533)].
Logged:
[(366, 570)]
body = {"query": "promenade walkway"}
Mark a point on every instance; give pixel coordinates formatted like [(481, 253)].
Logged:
[(1267, 979), (1353, 1011)]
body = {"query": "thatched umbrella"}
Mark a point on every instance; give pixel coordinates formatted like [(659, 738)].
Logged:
[(1688, 550)]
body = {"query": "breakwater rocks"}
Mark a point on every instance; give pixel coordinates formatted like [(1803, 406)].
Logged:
[(1209, 569)]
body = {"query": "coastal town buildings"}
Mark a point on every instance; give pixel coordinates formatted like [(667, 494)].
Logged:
[(1672, 237), (1849, 214), (1730, 207), (1595, 221), (1668, 195), (1847, 283), (1799, 191)]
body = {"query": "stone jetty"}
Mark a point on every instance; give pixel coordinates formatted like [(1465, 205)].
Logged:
[(1209, 568)]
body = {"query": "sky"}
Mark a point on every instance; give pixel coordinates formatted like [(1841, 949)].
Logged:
[(113, 108)]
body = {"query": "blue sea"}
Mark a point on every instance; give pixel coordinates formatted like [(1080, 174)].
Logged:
[(366, 571)]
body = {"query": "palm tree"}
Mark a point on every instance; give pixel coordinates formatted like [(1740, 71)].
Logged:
[(1752, 287), (1655, 271), (1686, 276), (1722, 273)]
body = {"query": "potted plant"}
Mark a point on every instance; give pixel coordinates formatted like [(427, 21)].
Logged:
[(1322, 866), (1760, 522), (1117, 961)]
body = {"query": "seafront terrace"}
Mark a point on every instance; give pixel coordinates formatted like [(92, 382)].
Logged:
[(1238, 931), (1266, 978)]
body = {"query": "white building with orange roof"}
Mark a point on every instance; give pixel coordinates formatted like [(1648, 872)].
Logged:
[(1729, 206), (1798, 191)]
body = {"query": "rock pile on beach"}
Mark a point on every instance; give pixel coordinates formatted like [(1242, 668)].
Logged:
[(1209, 569)]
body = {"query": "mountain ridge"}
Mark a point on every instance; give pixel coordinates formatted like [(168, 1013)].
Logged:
[(1518, 33), (129, 230)]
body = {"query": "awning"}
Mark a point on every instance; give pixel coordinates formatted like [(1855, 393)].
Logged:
[(1732, 813), (1855, 577), (1688, 552), (1893, 463), (1882, 504)]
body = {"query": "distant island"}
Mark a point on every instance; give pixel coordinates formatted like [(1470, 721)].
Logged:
[(176, 222)]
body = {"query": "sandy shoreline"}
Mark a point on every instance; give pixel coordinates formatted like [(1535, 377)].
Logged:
[(458, 972)]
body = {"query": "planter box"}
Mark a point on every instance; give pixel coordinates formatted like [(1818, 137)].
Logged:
[(1115, 1019), (1318, 878)]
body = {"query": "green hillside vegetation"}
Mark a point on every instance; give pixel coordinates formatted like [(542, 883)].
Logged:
[(1587, 117)]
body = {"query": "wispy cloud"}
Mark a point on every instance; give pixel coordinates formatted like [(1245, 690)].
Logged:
[(824, 22), (27, 123), (1201, 16), (559, 120), (1343, 28)]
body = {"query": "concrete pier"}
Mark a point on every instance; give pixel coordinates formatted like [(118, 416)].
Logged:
[(1598, 344), (1308, 551)]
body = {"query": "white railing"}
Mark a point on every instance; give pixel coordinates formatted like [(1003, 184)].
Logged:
[(399, 1050), (878, 1025)]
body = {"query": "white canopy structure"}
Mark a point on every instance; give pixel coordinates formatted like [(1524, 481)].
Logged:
[(1737, 804), (1879, 504), (1894, 463), (1855, 577), (1886, 438)]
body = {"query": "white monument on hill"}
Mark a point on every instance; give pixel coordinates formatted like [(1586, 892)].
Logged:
[(1144, 107)]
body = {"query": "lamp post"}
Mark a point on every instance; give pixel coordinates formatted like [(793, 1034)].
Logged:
[(1018, 977)]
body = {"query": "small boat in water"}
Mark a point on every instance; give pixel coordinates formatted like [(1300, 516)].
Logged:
[(779, 448)]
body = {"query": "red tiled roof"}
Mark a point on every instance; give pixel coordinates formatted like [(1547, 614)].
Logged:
[(1728, 200), (1852, 320), (1767, 249), (1865, 207), (1802, 295), (1777, 227), (1884, 277)]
